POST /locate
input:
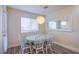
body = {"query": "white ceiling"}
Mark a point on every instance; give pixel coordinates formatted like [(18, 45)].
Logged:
[(39, 10)]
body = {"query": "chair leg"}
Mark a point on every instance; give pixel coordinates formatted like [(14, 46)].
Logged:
[(31, 50), (26, 49), (36, 51), (22, 51), (46, 50), (43, 50)]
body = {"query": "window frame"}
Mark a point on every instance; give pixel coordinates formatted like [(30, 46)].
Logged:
[(66, 18), (30, 24)]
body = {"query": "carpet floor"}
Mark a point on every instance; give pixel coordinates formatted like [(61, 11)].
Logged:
[(56, 49)]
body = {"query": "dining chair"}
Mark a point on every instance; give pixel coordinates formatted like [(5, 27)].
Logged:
[(26, 47), (48, 46), (39, 47)]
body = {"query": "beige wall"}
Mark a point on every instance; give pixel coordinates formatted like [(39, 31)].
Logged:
[(0, 29), (14, 18), (68, 38)]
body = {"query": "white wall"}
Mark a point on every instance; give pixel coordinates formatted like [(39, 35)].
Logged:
[(70, 39), (0, 29)]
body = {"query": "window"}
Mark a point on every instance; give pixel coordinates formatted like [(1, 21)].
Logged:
[(57, 25), (63, 24), (52, 25), (28, 24), (60, 24)]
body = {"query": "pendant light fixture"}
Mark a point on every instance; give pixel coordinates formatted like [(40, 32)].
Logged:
[(40, 19)]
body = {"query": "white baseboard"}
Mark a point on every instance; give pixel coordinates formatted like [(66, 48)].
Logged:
[(68, 47)]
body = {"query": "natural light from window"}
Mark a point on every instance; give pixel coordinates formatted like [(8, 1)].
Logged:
[(52, 25), (28, 25), (63, 23)]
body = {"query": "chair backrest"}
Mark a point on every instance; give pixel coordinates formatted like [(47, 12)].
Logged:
[(39, 44)]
